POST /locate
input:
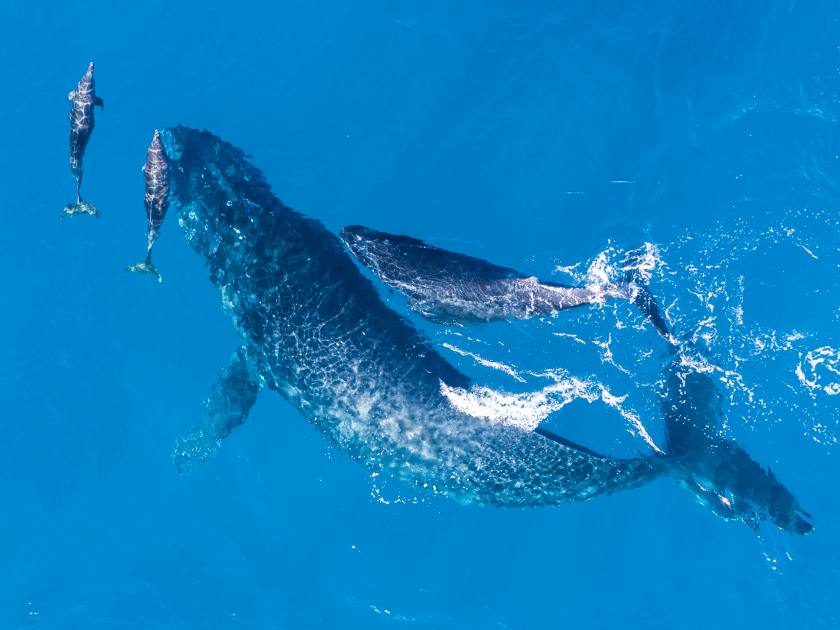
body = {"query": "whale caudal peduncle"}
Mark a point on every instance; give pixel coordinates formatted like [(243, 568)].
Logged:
[(83, 100), (156, 201)]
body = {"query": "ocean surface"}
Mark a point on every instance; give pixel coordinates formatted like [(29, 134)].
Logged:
[(548, 137)]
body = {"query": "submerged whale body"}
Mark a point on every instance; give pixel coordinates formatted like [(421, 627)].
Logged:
[(717, 469), (446, 286), (315, 331)]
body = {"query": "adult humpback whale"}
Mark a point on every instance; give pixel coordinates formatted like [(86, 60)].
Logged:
[(315, 331), (446, 286)]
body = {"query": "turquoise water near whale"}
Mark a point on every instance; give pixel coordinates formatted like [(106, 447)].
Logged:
[(547, 138)]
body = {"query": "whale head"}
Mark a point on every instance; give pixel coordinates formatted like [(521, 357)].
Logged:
[(224, 205)]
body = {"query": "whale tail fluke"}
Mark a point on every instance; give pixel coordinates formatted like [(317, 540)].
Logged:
[(714, 468), (145, 267), (634, 288)]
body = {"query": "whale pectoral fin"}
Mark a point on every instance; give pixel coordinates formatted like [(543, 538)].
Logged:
[(227, 407), (98, 102)]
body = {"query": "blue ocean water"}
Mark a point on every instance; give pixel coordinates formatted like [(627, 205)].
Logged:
[(548, 138)]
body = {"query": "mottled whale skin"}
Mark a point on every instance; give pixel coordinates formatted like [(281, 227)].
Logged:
[(315, 330), (450, 287), (83, 100)]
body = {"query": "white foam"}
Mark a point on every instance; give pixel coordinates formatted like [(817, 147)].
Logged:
[(816, 367), (526, 411), (494, 365)]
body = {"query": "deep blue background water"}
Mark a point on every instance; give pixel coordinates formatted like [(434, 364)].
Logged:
[(532, 134)]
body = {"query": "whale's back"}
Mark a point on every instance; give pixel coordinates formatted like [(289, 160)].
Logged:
[(321, 336)]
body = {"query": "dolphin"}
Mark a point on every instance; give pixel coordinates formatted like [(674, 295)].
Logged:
[(83, 100), (314, 330), (449, 287), (156, 201)]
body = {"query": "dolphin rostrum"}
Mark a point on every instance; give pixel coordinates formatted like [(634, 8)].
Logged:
[(315, 330), (156, 201), (83, 100)]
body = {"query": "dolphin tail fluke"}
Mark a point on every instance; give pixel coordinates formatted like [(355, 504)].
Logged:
[(146, 267), (79, 207), (227, 407)]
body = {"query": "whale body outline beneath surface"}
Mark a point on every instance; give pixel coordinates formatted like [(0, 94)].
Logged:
[(315, 330)]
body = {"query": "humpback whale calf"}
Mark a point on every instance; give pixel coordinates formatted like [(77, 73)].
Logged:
[(83, 100), (448, 287), (156, 202), (315, 330)]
